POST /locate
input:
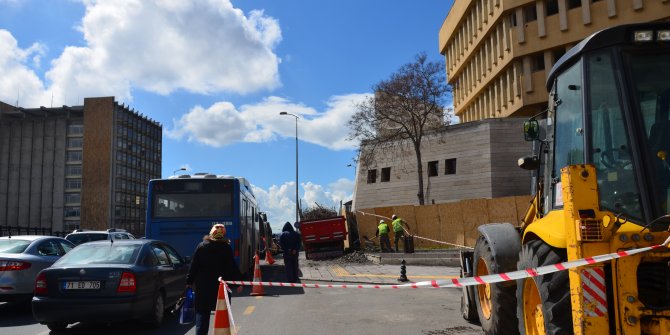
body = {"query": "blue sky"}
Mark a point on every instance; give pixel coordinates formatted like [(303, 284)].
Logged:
[(217, 73)]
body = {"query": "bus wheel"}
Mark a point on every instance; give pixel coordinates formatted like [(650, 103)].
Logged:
[(544, 301), (493, 301)]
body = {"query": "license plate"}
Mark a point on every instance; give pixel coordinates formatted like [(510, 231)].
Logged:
[(82, 285)]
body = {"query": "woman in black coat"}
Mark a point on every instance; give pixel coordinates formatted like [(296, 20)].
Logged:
[(213, 258)]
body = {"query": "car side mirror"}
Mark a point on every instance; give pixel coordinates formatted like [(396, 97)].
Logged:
[(531, 130)]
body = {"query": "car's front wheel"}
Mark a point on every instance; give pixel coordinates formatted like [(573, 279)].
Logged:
[(56, 326)]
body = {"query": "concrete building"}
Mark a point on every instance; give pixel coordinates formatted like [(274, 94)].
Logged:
[(498, 53), (77, 166), (463, 161)]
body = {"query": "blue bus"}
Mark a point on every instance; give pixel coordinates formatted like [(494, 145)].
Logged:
[(182, 209)]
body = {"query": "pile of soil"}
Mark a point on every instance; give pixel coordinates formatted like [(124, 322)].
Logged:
[(354, 257)]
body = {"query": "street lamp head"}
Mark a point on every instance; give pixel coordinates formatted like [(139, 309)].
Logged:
[(283, 113)]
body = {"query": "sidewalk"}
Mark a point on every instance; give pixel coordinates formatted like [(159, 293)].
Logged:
[(369, 273)]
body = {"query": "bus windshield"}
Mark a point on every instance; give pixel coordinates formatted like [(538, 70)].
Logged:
[(204, 198)]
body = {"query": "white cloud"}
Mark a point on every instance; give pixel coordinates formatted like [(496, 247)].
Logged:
[(279, 201), (261, 122), (161, 46), (18, 81)]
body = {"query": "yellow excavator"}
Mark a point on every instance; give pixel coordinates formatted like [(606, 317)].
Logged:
[(601, 178)]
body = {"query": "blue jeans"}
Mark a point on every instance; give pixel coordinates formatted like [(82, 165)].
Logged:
[(202, 322)]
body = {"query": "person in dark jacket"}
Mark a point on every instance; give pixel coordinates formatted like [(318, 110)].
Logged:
[(289, 240), (213, 258)]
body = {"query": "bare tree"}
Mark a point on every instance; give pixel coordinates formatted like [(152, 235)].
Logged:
[(402, 110)]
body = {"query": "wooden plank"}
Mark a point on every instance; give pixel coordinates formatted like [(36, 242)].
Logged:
[(428, 221), (451, 217), (475, 213), (502, 210)]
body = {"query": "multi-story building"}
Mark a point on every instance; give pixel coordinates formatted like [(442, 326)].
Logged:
[(499, 52), (462, 161), (77, 166)]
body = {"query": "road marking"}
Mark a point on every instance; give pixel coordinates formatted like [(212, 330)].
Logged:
[(249, 310), (259, 297), (341, 272)]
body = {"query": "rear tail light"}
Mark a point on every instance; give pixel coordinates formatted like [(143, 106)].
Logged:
[(236, 244), (41, 285), (127, 283), (13, 265)]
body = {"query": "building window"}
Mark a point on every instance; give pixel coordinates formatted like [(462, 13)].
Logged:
[(73, 170), (537, 62), (75, 129), (450, 166), (71, 225), (75, 142), (72, 198), (552, 7), (72, 184), (71, 212), (530, 13), (73, 156), (574, 4), (386, 174), (432, 169), (372, 176)]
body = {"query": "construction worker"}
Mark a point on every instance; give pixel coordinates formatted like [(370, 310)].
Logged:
[(383, 234), (399, 227)]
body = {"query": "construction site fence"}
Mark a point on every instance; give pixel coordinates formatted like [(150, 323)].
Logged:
[(455, 223)]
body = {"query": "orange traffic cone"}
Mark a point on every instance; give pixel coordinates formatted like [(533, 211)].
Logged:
[(257, 289), (268, 255), (222, 317)]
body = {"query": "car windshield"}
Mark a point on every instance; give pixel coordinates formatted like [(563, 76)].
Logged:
[(86, 237), (13, 246), (112, 253)]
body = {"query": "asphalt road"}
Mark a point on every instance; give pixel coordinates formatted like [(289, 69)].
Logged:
[(297, 311)]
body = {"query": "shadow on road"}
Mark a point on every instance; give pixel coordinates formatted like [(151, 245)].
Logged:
[(16, 314)]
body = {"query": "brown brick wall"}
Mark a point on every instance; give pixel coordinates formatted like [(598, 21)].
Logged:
[(97, 163)]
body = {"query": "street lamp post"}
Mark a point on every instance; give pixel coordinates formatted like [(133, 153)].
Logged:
[(179, 169), (297, 209)]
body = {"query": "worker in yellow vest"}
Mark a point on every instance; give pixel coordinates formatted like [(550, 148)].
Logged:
[(399, 227), (383, 234)]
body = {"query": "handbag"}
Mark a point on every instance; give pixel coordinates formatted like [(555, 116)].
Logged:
[(187, 313)]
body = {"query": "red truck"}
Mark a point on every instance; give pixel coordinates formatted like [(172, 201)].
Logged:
[(323, 238)]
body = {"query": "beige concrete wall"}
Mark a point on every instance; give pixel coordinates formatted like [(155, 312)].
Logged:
[(454, 223), (485, 151)]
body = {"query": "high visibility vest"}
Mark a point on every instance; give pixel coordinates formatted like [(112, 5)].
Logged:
[(383, 229), (397, 226)]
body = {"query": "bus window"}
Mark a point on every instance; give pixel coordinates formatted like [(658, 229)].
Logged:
[(200, 198)]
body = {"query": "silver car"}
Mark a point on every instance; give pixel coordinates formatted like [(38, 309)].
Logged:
[(22, 258)]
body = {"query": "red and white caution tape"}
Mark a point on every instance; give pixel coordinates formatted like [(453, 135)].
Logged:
[(469, 281)]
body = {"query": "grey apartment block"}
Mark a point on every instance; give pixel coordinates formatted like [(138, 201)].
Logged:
[(76, 166), (464, 161)]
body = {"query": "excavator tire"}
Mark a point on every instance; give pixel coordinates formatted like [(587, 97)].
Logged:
[(546, 297), (493, 301)]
